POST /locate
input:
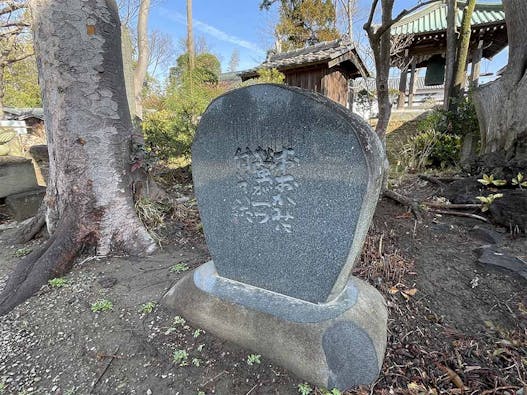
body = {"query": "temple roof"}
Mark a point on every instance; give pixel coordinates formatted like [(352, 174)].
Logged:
[(330, 52), (433, 18)]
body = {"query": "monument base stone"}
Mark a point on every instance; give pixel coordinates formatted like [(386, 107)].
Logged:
[(339, 344)]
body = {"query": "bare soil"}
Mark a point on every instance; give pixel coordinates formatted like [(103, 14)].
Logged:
[(454, 326)]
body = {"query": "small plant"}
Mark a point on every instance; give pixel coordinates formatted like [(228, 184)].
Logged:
[(197, 332), (200, 347), (147, 308), (2, 387), (196, 362), (201, 393), (6, 137), (58, 282), (101, 305), (304, 389), (253, 359), (488, 200), (519, 181), (179, 320), (179, 268), (22, 252), (490, 180), (180, 357)]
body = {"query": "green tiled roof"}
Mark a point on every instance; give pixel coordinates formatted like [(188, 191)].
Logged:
[(432, 18)]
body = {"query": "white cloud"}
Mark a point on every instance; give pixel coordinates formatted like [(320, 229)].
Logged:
[(211, 30)]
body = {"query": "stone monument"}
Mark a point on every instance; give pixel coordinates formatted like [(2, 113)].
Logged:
[(287, 182)]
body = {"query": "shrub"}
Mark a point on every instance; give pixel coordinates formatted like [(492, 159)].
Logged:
[(168, 134), (438, 142), (435, 149)]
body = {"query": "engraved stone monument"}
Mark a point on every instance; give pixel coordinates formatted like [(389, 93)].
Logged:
[(287, 182)]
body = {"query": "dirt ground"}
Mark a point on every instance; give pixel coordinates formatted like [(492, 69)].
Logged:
[(454, 326)]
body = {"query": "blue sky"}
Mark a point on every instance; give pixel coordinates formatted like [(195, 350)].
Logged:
[(229, 25)]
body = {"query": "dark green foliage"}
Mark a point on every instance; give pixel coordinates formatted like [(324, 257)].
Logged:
[(304, 22)]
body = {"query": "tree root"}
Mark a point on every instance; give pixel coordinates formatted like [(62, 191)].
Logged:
[(53, 259), (417, 207), (461, 214), (412, 204), (30, 230)]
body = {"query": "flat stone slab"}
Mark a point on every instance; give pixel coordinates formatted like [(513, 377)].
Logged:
[(287, 182), (500, 260), (486, 235), (16, 175)]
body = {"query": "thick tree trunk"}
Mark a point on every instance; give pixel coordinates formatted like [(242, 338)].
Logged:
[(501, 104), (89, 194), (143, 55)]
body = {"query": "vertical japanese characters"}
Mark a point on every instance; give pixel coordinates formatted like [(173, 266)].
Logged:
[(267, 187)]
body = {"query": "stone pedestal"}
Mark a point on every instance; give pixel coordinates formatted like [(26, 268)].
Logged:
[(338, 344)]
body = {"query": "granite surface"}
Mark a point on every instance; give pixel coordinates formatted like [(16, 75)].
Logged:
[(287, 182)]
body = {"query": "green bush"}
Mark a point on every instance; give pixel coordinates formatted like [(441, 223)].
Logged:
[(168, 134), (438, 142), (434, 149)]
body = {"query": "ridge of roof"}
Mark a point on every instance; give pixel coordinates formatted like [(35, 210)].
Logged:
[(322, 46)]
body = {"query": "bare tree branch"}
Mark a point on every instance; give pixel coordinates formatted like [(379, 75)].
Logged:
[(12, 6)]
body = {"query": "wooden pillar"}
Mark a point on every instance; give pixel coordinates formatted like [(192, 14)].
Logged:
[(476, 64), (411, 89), (402, 88)]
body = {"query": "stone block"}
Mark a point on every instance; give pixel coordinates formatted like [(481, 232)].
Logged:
[(25, 205), (16, 175)]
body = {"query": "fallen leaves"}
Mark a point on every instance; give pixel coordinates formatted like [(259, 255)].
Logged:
[(406, 293), (453, 376)]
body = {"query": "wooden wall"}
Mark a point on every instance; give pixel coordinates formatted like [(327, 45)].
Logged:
[(336, 86), (332, 83)]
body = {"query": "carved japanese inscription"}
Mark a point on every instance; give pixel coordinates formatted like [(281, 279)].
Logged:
[(266, 187)]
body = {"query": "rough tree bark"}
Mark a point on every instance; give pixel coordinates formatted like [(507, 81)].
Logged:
[(89, 199), (501, 104), (143, 56), (380, 41)]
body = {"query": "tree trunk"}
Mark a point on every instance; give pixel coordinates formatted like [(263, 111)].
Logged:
[(403, 82), (451, 37), (190, 38), (143, 55), (460, 73), (89, 198), (381, 45), (501, 104), (2, 89)]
